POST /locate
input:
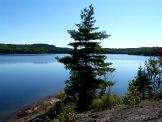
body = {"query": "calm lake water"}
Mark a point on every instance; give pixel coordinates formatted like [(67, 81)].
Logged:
[(25, 79)]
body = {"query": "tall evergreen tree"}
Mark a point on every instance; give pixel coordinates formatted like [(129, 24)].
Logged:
[(86, 62)]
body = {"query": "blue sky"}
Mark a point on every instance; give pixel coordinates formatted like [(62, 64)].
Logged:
[(131, 23)]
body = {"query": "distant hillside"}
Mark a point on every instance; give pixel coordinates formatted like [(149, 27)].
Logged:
[(31, 49), (147, 51), (45, 48)]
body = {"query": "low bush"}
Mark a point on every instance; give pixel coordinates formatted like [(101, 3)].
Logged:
[(106, 101), (132, 97), (67, 113), (97, 104), (54, 111), (64, 112)]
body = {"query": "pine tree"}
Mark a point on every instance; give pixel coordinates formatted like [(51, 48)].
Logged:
[(86, 61), (143, 84)]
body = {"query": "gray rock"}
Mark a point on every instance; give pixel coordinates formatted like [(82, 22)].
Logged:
[(134, 114)]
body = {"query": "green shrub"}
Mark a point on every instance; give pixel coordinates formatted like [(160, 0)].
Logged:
[(106, 101), (109, 101), (54, 111), (61, 95), (64, 112), (67, 113), (132, 97), (97, 104)]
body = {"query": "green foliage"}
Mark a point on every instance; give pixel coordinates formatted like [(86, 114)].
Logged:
[(154, 73), (97, 104), (106, 101), (67, 113), (54, 111), (147, 83), (143, 84), (139, 88), (105, 88), (132, 97), (64, 111), (85, 62)]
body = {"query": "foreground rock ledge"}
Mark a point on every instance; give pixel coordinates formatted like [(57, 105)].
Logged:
[(146, 111)]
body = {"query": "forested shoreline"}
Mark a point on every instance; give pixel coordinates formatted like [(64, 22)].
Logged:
[(146, 51), (31, 49), (45, 48)]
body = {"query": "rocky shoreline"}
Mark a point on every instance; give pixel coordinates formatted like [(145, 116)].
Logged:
[(146, 111), (34, 110)]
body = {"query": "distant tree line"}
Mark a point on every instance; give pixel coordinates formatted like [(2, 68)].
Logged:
[(31, 49), (45, 48), (146, 51)]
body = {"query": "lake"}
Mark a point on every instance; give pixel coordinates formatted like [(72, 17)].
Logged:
[(25, 79)]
